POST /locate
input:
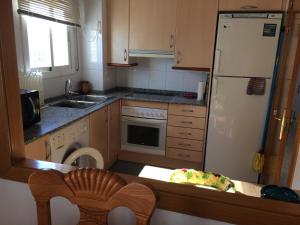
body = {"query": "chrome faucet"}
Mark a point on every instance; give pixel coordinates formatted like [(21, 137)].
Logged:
[(68, 89)]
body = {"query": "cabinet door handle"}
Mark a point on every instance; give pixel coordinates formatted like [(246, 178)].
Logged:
[(249, 7), (48, 150), (179, 57), (125, 55), (172, 41), (218, 61)]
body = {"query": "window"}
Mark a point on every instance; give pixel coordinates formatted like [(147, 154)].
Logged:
[(51, 46)]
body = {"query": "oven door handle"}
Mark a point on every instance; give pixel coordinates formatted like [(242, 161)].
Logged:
[(143, 120)]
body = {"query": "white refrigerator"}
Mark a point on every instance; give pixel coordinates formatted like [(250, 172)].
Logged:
[(246, 48)]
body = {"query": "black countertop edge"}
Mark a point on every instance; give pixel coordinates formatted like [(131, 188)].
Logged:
[(55, 118)]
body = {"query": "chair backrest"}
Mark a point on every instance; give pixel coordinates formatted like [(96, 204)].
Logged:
[(96, 192)]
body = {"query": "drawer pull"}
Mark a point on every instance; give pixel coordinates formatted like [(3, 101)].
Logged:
[(182, 133), (249, 7), (184, 122), (188, 110), (187, 145), (183, 155)]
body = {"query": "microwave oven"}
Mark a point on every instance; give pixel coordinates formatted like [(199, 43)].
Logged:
[(30, 103)]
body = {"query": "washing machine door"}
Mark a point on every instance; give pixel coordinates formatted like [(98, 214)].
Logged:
[(85, 157)]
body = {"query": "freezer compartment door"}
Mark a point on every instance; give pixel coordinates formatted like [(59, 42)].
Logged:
[(246, 47), (236, 125)]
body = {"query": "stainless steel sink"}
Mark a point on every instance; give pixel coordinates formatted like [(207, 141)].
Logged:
[(74, 104), (90, 98)]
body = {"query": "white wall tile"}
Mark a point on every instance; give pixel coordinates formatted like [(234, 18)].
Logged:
[(157, 80), (139, 79), (174, 81), (158, 74), (191, 81)]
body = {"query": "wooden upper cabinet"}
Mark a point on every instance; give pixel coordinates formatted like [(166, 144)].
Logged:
[(114, 132), (118, 31), (195, 33), (231, 5), (152, 25), (99, 133)]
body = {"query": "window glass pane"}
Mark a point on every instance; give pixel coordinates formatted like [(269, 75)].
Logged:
[(60, 44), (39, 42)]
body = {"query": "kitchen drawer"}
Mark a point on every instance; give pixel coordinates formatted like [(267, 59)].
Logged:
[(175, 153), (144, 104), (183, 121), (231, 5), (187, 133), (187, 110), (184, 144)]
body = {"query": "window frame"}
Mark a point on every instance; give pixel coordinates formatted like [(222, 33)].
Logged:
[(53, 71)]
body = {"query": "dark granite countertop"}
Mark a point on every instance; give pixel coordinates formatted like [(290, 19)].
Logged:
[(55, 118)]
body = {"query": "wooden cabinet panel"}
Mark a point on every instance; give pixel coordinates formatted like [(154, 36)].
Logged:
[(38, 150), (187, 110), (99, 134), (151, 105), (195, 33), (186, 133), (185, 144), (152, 25), (114, 132), (118, 31), (183, 121), (231, 5), (184, 154)]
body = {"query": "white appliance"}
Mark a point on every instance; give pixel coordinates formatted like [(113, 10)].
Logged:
[(144, 130), (70, 145), (246, 47)]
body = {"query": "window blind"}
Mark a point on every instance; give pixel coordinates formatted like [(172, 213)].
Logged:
[(62, 11)]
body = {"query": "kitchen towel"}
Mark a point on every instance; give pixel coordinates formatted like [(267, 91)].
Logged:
[(256, 86), (201, 89)]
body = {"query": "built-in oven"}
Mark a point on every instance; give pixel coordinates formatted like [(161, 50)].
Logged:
[(144, 130)]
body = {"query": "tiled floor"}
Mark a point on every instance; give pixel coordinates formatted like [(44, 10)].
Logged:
[(131, 168)]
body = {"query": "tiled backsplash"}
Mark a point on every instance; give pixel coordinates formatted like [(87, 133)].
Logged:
[(158, 74)]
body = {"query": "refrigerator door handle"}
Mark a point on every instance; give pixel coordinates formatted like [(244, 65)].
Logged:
[(217, 61), (215, 87)]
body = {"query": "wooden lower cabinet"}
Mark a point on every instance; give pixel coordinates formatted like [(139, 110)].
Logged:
[(187, 110), (193, 156), (189, 122), (105, 132), (99, 133), (38, 150), (184, 144), (114, 132), (185, 133)]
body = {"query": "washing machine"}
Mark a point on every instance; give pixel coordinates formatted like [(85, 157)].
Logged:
[(70, 146)]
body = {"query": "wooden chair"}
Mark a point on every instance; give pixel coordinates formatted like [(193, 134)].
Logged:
[(96, 192)]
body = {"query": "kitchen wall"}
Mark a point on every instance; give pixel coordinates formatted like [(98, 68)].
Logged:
[(158, 74), (17, 207), (93, 44)]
